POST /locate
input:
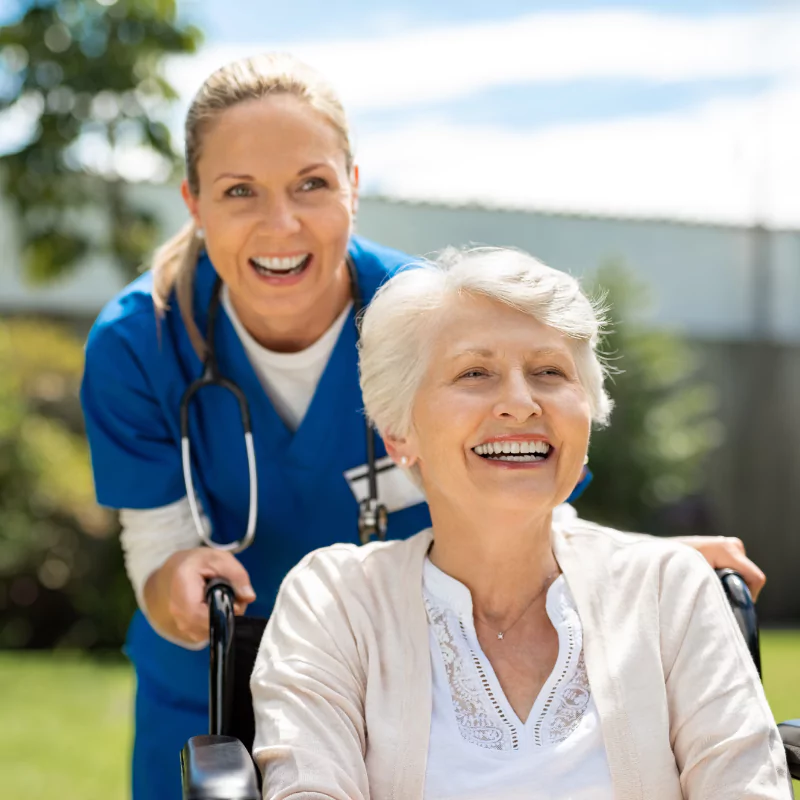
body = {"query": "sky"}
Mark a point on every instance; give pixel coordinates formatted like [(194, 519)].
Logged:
[(687, 109)]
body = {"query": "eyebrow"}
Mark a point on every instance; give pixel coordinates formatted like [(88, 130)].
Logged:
[(312, 167), (234, 176), (483, 352), (237, 177)]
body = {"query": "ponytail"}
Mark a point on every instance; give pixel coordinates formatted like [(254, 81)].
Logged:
[(174, 267)]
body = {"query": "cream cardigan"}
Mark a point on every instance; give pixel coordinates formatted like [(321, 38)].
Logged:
[(342, 682)]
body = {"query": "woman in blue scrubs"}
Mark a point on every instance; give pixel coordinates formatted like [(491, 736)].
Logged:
[(272, 190)]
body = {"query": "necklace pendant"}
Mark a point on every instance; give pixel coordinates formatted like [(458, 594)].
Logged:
[(500, 634)]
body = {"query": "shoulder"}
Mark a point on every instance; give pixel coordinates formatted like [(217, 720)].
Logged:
[(349, 569), (376, 263), (129, 317), (669, 563)]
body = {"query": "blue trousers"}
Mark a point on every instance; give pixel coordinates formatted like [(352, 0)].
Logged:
[(162, 728)]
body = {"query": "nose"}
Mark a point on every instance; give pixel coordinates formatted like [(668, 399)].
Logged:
[(279, 217), (517, 401)]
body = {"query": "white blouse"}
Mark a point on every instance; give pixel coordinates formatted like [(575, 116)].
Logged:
[(479, 748)]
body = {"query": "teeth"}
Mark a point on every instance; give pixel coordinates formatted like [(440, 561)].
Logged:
[(280, 264), (519, 450)]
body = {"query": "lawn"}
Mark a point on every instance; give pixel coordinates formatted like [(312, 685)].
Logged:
[(65, 721)]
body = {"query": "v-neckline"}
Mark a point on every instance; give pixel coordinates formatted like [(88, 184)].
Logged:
[(537, 709), (459, 601)]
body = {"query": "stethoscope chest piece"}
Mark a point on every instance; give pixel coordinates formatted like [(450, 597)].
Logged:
[(373, 520)]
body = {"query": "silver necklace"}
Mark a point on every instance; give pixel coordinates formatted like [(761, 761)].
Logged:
[(502, 634)]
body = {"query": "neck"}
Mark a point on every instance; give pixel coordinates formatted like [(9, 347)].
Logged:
[(293, 332), (504, 558)]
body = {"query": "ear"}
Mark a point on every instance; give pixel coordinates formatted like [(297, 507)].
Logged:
[(399, 449), (354, 185), (191, 202)]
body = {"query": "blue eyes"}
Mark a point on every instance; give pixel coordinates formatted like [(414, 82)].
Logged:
[(240, 190), (243, 190)]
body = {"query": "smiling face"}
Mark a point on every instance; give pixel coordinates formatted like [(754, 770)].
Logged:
[(500, 417), (276, 205)]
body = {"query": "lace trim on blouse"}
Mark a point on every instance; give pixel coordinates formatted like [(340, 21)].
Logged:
[(481, 718)]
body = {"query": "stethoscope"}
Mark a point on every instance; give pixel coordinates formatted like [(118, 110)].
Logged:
[(373, 516)]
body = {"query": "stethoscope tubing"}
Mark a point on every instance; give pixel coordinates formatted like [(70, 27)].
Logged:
[(373, 515)]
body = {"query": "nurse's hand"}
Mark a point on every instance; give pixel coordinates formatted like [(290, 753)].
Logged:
[(727, 552), (175, 594)]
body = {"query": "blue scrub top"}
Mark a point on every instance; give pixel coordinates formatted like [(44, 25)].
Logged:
[(137, 370), (136, 373)]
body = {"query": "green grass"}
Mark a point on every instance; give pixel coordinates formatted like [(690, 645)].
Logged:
[(65, 727), (65, 721)]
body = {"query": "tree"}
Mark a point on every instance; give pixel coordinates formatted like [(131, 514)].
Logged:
[(663, 426), (85, 77)]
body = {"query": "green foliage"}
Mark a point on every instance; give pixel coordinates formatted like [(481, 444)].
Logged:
[(61, 575), (86, 76), (663, 426)]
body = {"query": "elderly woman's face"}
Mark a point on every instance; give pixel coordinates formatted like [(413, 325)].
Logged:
[(500, 414)]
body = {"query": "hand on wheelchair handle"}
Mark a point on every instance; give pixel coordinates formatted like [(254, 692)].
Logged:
[(727, 552), (176, 593)]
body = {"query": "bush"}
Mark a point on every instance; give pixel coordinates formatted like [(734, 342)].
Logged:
[(61, 574), (648, 465)]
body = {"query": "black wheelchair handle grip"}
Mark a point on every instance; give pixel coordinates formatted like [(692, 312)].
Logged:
[(744, 611), (214, 583), (220, 598)]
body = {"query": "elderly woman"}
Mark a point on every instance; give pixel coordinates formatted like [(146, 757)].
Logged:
[(502, 653)]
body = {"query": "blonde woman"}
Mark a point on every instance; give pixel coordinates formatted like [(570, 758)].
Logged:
[(503, 653), (271, 188)]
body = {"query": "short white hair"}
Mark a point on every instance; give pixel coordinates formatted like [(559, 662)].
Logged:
[(399, 325)]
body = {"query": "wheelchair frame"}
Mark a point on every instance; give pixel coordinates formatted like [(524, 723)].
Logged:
[(219, 766)]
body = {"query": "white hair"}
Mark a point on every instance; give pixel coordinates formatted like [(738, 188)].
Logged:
[(399, 325)]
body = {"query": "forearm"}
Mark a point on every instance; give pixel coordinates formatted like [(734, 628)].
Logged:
[(149, 539)]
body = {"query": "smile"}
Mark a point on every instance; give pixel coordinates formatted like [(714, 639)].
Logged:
[(514, 451), (280, 266)]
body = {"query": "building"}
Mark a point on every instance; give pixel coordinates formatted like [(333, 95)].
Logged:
[(733, 291)]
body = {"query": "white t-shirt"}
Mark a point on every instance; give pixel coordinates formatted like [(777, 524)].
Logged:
[(479, 748), (289, 379)]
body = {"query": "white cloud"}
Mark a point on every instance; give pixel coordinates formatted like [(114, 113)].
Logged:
[(445, 63), (730, 161), (726, 160)]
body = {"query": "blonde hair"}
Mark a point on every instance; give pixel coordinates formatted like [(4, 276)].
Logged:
[(175, 262), (400, 324)]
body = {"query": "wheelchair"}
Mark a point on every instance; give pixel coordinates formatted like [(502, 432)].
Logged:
[(218, 766)]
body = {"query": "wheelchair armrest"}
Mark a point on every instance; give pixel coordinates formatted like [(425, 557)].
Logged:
[(218, 768), (790, 734)]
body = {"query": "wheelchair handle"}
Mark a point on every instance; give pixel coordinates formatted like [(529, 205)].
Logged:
[(744, 611), (220, 597)]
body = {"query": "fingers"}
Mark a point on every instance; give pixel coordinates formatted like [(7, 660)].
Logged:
[(221, 564), (732, 555), (187, 597), (753, 576), (728, 552)]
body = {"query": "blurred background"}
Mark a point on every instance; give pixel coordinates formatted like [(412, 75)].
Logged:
[(650, 148)]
